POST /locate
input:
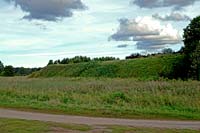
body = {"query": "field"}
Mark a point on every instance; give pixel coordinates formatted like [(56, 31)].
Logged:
[(151, 68), (24, 126), (122, 98)]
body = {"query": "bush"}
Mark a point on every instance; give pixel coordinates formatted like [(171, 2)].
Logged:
[(8, 71)]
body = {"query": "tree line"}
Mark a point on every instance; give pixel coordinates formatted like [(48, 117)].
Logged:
[(164, 51), (9, 70), (80, 59)]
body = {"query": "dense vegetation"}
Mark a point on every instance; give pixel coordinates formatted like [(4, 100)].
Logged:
[(151, 68), (192, 48), (104, 97), (80, 59), (9, 71)]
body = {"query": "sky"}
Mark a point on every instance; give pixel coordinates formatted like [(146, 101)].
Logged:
[(34, 31)]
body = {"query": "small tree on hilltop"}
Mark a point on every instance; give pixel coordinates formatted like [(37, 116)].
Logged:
[(50, 62)]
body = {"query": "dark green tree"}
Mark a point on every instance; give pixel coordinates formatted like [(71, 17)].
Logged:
[(191, 49), (167, 51), (1, 67), (8, 71), (50, 62), (192, 36), (195, 66)]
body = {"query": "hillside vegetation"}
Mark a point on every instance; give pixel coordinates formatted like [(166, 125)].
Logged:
[(142, 68)]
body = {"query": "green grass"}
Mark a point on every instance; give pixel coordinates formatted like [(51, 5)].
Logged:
[(25, 126), (121, 129), (142, 68), (124, 98)]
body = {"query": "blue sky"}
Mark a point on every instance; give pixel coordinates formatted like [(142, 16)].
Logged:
[(33, 32)]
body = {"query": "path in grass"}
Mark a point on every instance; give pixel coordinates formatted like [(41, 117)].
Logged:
[(5, 113)]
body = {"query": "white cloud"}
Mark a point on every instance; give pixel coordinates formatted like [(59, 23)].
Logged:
[(147, 32)]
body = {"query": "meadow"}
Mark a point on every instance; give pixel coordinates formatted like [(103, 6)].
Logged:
[(107, 97)]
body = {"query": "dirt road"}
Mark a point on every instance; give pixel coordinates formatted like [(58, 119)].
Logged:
[(6, 113)]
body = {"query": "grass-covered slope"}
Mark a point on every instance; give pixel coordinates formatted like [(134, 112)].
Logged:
[(142, 68)]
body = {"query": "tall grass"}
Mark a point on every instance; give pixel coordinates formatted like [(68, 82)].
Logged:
[(104, 97)]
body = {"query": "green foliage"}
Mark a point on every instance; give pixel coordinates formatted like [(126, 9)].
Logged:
[(167, 51), (142, 68), (126, 129), (104, 97), (117, 97), (81, 59), (192, 36), (105, 59), (50, 62), (195, 66), (1, 67), (18, 71), (8, 71), (21, 71), (191, 50)]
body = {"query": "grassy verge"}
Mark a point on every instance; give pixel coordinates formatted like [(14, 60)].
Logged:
[(121, 129), (123, 98), (25, 126)]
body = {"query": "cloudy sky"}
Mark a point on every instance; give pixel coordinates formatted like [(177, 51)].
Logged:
[(35, 31)]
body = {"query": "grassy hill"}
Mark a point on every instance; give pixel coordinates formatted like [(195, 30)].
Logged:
[(141, 68)]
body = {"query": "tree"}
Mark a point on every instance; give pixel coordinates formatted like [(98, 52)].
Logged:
[(167, 51), (192, 36), (57, 62), (8, 71), (1, 67), (192, 47), (195, 66), (50, 62)]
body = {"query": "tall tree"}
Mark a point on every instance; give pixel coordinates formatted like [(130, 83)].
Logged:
[(192, 36), (192, 47)]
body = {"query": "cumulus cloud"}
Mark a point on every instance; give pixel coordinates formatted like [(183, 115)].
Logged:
[(50, 10), (147, 32), (163, 3), (174, 16)]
